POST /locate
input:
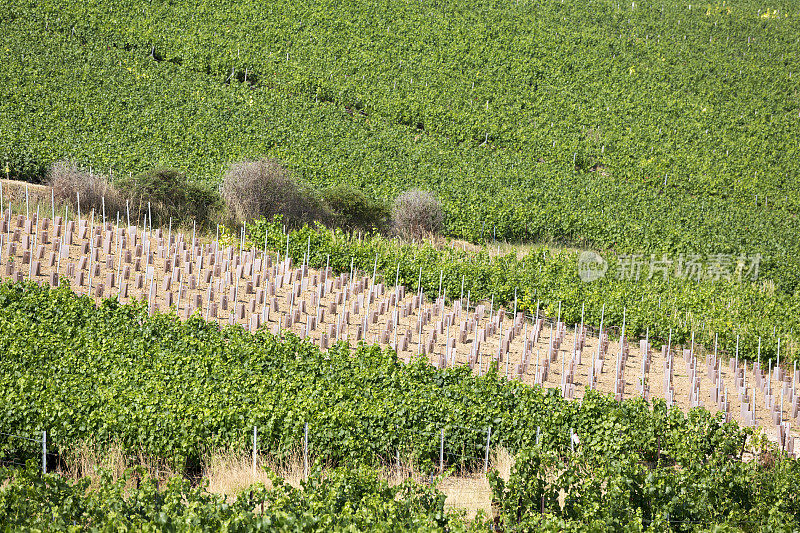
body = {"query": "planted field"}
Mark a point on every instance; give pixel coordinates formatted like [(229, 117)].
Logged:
[(175, 391), (261, 291), (634, 369), (642, 127)]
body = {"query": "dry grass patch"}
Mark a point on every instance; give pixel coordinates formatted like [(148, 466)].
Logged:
[(85, 461), (229, 473)]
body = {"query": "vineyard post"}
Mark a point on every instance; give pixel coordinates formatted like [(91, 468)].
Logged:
[(180, 293), (128, 212), (474, 345), (149, 298), (103, 201), (27, 206), (35, 238), (500, 342), (716, 361), (769, 382), (461, 298), (441, 452), (538, 433), (446, 342), (79, 207), (419, 288), (506, 355), (58, 265), (255, 448), (52, 203), (118, 259), (44, 452), (419, 340), (737, 353), (91, 257), (759, 354), (352, 270), (621, 347), (514, 316), (488, 442), (599, 342), (572, 440), (305, 452)]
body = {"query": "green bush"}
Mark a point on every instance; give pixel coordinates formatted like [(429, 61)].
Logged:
[(170, 195), (352, 209)]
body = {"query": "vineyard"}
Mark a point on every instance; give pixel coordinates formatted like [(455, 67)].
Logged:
[(258, 366), (176, 389), (530, 121), (259, 289), (628, 362)]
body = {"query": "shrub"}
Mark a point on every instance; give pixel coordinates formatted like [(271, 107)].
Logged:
[(170, 194), (416, 213), (352, 209), (253, 189), (24, 165), (68, 181)]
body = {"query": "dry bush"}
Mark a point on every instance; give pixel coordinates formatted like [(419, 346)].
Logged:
[(417, 213), (68, 181), (252, 189)]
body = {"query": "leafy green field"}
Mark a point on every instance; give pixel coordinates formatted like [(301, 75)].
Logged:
[(178, 391), (531, 121), (342, 500)]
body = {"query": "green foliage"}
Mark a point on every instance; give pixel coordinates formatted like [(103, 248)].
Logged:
[(354, 210), (339, 500), (170, 195), (611, 492), (177, 391)]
